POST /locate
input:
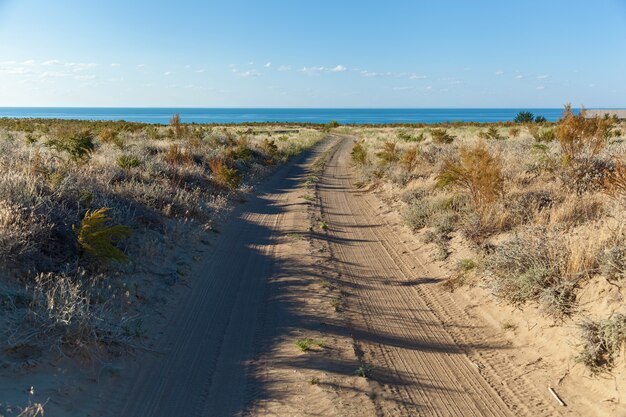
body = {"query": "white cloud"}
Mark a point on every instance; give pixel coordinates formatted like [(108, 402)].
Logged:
[(499, 72), (339, 68), (51, 62), (269, 64), (86, 77), (519, 77), (403, 88), (314, 70), (115, 65), (542, 77), (167, 73), (284, 68), (250, 74), (416, 77), (29, 62), (141, 65), (200, 71), (370, 73)]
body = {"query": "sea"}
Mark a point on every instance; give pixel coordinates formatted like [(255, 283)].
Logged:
[(162, 115)]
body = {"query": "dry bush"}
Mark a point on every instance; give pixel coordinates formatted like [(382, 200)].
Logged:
[(63, 312), (176, 155), (580, 136), (514, 132), (530, 267), (389, 152), (22, 232), (223, 175), (573, 211), (602, 340), (176, 126), (98, 239), (409, 159), (476, 171), (614, 184), (613, 262)]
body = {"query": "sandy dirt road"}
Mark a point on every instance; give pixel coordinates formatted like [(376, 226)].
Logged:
[(229, 345)]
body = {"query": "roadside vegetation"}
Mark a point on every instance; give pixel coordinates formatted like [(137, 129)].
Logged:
[(533, 211), (91, 211)]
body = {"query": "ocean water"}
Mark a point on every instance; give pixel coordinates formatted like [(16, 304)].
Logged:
[(300, 115)]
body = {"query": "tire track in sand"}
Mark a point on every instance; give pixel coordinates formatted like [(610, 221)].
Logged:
[(429, 357)]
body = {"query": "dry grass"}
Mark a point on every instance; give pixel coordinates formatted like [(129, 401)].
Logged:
[(70, 189), (543, 210)]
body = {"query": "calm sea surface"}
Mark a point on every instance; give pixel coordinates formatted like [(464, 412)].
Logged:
[(237, 115)]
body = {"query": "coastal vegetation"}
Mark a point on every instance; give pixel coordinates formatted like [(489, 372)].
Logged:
[(536, 209), (88, 209)]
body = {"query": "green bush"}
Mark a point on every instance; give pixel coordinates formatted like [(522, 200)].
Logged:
[(77, 144), (524, 117), (97, 239), (441, 136)]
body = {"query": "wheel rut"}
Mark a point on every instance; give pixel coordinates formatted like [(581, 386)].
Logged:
[(429, 357)]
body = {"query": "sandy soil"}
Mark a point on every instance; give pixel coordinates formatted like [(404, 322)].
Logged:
[(334, 265)]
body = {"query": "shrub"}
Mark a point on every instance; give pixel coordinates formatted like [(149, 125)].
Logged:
[(176, 126), (269, 147), (514, 132), (529, 268), (21, 232), (524, 117), (441, 136), (389, 153), (491, 133), (407, 137), (601, 341), (98, 239), (175, 155), (540, 119), (408, 161), (127, 162), (580, 136), (614, 182), (416, 215), (359, 153), (77, 144), (223, 175), (542, 134), (477, 171), (613, 262)]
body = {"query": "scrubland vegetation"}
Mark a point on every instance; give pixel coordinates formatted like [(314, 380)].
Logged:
[(90, 210), (539, 207)]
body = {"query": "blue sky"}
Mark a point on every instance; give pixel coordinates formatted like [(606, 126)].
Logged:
[(340, 53)]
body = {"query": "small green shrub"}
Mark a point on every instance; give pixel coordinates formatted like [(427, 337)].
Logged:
[(79, 145), (359, 153), (441, 136), (97, 239), (127, 162), (223, 175), (389, 153), (416, 215), (491, 133)]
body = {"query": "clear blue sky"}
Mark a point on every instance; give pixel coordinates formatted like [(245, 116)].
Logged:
[(340, 53)]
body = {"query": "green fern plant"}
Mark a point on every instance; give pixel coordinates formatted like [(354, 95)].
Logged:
[(97, 239)]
